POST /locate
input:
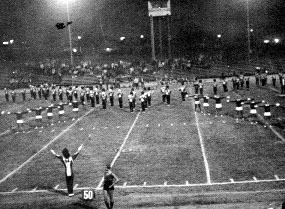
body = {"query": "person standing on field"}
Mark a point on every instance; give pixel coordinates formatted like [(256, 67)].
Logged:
[(110, 179), (67, 161)]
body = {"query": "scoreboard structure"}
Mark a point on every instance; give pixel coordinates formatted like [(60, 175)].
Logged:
[(157, 11)]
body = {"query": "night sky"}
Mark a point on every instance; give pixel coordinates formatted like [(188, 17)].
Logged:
[(34, 21)]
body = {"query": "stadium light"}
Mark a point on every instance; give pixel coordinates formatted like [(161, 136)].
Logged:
[(5, 42), (276, 40), (219, 35), (266, 41)]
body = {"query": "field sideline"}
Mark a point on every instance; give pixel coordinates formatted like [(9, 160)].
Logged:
[(167, 156)]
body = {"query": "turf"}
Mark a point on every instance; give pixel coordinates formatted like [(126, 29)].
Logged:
[(162, 148)]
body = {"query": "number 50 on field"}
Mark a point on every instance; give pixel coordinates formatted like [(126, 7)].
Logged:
[(88, 194)]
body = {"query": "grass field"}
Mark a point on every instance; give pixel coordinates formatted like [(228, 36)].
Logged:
[(167, 157)]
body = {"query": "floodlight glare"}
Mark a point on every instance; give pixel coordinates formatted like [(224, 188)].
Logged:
[(276, 40)]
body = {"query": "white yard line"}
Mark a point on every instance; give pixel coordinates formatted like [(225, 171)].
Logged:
[(202, 147), (43, 148), (121, 147), (124, 186)]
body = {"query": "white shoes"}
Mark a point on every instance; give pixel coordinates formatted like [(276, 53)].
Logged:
[(70, 195)]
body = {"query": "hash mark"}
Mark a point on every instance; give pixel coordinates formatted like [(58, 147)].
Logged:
[(276, 177), (14, 190)]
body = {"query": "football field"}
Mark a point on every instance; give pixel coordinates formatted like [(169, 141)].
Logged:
[(165, 150)]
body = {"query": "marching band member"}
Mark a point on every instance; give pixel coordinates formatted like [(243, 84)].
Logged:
[(67, 161), (267, 113), (206, 104), (253, 105), (142, 99), (75, 109), (87, 95), (92, 97), (167, 94), (39, 116), (61, 110), (131, 98), (50, 113), (196, 101), (24, 94), (13, 95), (134, 98), (120, 98), (104, 99), (218, 105), (239, 108), (149, 93), (60, 94), (201, 87), (215, 87), (196, 86), (6, 94), (111, 96), (96, 94), (183, 91), (82, 94)]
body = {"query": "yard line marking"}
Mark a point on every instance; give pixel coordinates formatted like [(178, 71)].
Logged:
[(121, 147), (232, 180), (76, 185), (276, 177), (203, 148), (5, 132), (144, 184), (14, 190), (42, 149), (35, 189), (129, 187), (255, 179), (125, 184), (56, 186)]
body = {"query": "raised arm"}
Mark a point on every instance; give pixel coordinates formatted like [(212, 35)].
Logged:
[(74, 156), (53, 152)]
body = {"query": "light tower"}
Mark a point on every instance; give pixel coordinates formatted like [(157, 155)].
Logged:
[(157, 9)]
